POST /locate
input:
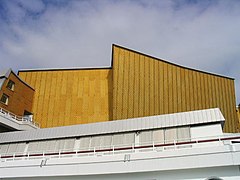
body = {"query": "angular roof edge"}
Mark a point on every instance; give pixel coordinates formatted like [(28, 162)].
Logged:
[(118, 126), (7, 74), (158, 59), (111, 65)]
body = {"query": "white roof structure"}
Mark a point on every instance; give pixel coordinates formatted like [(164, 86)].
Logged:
[(152, 152), (118, 126), (4, 74)]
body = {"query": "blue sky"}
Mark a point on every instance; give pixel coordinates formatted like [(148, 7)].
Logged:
[(202, 34)]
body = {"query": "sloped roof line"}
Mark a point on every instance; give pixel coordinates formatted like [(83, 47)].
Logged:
[(111, 66), (6, 73), (165, 61)]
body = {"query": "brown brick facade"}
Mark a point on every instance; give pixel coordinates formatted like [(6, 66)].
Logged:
[(20, 99)]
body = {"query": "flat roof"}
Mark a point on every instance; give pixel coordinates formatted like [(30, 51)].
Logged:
[(118, 126), (65, 69)]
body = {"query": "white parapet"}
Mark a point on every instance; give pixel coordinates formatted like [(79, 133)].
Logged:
[(14, 122)]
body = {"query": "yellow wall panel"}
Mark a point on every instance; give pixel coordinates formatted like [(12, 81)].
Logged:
[(183, 90), (170, 89), (137, 85), (156, 88), (131, 85), (67, 97), (238, 114), (179, 93), (167, 88), (151, 87), (141, 102), (174, 89)]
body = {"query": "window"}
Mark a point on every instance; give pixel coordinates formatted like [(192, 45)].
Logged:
[(10, 85), (4, 99)]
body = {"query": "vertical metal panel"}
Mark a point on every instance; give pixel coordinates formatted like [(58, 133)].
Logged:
[(238, 114), (131, 86), (12, 148), (125, 85), (141, 87), (170, 89), (175, 89), (21, 147), (165, 88), (129, 138), (4, 148), (191, 89), (84, 143), (170, 135), (146, 86), (161, 97), (187, 89), (95, 142), (151, 88), (234, 125), (118, 88), (183, 134), (118, 139), (183, 90), (106, 141), (156, 88), (158, 136), (66, 97), (145, 137), (33, 147)]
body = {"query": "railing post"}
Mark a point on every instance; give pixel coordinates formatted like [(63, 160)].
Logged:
[(174, 142), (113, 149), (153, 146)]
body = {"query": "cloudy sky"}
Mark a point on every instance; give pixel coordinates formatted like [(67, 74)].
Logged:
[(202, 34)]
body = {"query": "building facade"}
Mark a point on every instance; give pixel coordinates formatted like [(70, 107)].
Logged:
[(136, 85), (68, 97), (238, 113), (173, 146), (16, 96)]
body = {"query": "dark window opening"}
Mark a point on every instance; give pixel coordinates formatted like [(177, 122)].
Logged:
[(11, 85), (4, 99)]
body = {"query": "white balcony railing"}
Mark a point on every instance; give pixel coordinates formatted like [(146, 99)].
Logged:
[(128, 148), (21, 119)]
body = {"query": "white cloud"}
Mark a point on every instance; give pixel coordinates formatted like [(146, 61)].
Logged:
[(202, 35)]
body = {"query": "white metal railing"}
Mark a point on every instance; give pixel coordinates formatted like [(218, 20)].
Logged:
[(22, 119), (123, 148)]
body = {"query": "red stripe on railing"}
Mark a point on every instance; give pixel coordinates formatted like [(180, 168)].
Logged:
[(118, 149)]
